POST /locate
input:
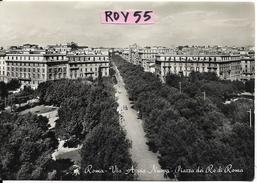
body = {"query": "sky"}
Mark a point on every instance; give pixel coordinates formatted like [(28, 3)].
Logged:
[(177, 23)]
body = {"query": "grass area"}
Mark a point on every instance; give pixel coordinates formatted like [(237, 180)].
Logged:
[(40, 109)]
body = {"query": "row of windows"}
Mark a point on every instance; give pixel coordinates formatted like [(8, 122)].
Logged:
[(228, 65), (156, 51), (35, 57), (25, 64), (21, 69), (246, 67), (237, 67), (88, 70), (235, 73), (30, 82), (166, 69), (24, 57), (64, 69), (26, 75), (86, 65), (88, 58), (57, 69), (248, 70), (189, 58), (57, 76), (81, 75), (192, 64), (231, 68), (57, 58), (148, 56), (197, 58)]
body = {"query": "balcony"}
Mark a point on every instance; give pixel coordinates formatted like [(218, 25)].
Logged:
[(74, 68), (24, 79)]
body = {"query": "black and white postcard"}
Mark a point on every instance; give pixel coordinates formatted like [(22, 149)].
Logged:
[(127, 90)]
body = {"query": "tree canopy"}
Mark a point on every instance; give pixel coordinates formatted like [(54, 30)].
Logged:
[(187, 130)]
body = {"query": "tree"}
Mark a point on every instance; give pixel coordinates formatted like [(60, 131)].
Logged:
[(13, 84), (249, 86), (187, 130), (103, 148), (26, 145), (88, 114), (173, 80), (3, 90)]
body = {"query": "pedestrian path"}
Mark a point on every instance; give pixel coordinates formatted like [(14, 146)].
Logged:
[(147, 167)]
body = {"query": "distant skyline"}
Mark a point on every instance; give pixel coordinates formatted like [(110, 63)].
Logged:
[(177, 23)]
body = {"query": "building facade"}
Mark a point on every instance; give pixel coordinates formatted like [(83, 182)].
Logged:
[(29, 68), (225, 66), (2, 67), (248, 68), (32, 67), (83, 66)]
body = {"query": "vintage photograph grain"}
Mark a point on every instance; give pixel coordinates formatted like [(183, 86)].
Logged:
[(121, 90)]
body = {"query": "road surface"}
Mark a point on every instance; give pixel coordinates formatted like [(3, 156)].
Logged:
[(147, 167)]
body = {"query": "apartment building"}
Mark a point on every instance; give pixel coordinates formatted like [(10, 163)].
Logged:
[(225, 66), (56, 66), (2, 67), (29, 68), (35, 65), (248, 68), (149, 53), (83, 66)]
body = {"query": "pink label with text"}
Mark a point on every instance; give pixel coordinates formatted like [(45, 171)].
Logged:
[(127, 17)]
